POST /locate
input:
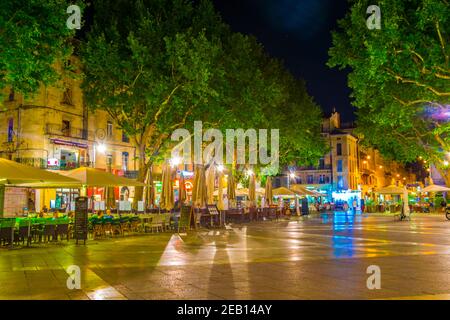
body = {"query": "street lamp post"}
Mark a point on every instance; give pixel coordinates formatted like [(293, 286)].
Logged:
[(290, 176)]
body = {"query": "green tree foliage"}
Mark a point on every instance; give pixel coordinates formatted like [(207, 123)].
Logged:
[(168, 63), (399, 76), (33, 39)]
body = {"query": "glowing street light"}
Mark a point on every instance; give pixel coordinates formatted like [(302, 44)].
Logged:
[(250, 172), (445, 163), (175, 161), (220, 168), (292, 175), (101, 147)]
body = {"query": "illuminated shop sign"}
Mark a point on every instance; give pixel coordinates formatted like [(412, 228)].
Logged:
[(53, 162), (69, 143)]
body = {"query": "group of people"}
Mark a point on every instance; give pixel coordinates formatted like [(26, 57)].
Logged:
[(354, 205)]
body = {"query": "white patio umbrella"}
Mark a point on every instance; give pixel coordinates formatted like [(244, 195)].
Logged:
[(268, 191), (220, 204), (282, 191), (167, 200), (210, 179), (406, 210), (435, 188), (390, 190)]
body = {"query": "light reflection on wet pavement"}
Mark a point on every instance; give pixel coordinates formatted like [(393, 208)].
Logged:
[(316, 257)]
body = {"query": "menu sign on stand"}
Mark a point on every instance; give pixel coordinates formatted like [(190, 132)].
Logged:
[(81, 219), (214, 211)]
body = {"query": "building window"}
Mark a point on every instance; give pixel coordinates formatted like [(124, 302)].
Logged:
[(10, 129), (339, 149), (109, 160), (125, 157), (339, 166), (68, 97), (11, 95), (321, 179), (327, 179), (321, 163), (310, 179), (125, 137), (65, 129), (109, 129), (340, 182)]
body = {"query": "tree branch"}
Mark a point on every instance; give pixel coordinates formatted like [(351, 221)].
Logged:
[(441, 39), (165, 102), (417, 83), (410, 103)]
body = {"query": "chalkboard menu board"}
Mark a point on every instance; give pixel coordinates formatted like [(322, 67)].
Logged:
[(185, 218), (81, 219)]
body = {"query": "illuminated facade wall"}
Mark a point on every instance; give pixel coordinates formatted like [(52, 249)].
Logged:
[(348, 165), (53, 129)]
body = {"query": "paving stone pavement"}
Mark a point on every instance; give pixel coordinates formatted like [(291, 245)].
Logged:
[(316, 257)]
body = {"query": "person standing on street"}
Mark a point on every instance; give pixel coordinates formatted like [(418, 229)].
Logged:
[(354, 205)]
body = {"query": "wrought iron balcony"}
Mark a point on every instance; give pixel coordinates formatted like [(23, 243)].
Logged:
[(309, 168), (131, 174), (60, 130)]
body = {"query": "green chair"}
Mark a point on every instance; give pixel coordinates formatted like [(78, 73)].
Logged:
[(7, 226), (24, 231)]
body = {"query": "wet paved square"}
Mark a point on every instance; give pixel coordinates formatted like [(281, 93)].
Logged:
[(317, 257)]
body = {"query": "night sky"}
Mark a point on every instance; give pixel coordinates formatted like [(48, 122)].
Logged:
[(299, 33)]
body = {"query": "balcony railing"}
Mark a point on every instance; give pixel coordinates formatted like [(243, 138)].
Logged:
[(59, 130), (33, 162), (324, 167), (131, 174)]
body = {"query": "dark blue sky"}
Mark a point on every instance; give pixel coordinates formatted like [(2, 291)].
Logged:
[(299, 33)]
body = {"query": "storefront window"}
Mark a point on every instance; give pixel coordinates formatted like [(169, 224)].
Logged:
[(322, 179), (69, 159)]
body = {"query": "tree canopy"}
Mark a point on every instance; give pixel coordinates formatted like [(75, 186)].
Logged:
[(169, 63), (400, 76), (34, 39)]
